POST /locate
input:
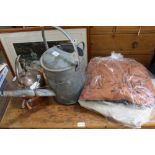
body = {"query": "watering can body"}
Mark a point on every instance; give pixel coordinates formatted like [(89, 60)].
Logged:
[(62, 75)]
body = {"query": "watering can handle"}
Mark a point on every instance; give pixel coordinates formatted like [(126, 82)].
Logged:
[(69, 37), (17, 67)]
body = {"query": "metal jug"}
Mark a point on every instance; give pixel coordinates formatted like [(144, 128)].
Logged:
[(27, 77), (65, 71)]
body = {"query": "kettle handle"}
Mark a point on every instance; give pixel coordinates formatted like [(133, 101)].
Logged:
[(69, 37), (17, 67)]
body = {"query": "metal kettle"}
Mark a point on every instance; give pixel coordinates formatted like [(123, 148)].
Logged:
[(27, 77)]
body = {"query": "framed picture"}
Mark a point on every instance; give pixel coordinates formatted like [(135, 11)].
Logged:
[(4, 58), (30, 45)]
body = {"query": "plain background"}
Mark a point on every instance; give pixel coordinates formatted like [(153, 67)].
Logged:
[(77, 13)]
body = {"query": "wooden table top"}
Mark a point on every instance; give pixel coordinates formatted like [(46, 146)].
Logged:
[(49, 114)]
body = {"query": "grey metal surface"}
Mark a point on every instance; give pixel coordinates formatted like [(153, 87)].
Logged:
[(28, 93), (55, 59), (67, 84)]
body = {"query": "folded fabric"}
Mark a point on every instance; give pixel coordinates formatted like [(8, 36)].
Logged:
[(115, 78), (126, 114)]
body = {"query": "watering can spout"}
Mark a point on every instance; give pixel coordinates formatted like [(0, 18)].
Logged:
[(27, 93)]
